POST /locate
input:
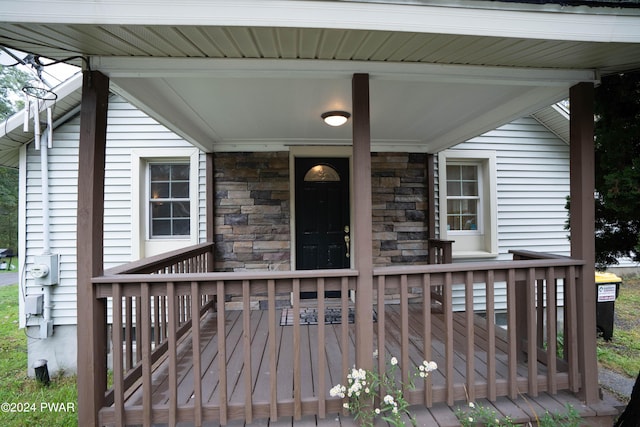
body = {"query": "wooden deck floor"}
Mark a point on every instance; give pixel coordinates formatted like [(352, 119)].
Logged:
[(521, 410)]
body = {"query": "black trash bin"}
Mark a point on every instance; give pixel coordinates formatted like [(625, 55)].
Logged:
[(607, 290)]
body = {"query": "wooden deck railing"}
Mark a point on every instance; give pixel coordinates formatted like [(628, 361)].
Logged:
[(476, 357), (530, 337)]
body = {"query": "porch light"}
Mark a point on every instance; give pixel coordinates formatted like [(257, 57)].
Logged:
[(335, 118)]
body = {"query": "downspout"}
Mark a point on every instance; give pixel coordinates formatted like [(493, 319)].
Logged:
[(46, 326), (46, 266)]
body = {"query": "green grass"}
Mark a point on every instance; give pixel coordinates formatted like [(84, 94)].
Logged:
[(622, 353), (30, 402)]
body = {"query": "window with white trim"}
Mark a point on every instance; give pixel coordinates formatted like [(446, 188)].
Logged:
[(463, 197), (169, 203), (467, 193)]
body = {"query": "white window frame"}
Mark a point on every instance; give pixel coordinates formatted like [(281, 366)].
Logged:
[(483, 242), (150, 200), (480, 199), (142, 243)]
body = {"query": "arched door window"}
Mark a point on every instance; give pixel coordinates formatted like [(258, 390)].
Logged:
[(322, 173)]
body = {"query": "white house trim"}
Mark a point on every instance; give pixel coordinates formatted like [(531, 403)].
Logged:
[(554, 22), (142, 244)]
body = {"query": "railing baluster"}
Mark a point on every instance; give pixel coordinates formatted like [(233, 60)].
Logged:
[(297, 381), (156, 320), (172, 352), (491, 336), (532, 348), (128, 333), (404, 329), (344, 327), (570, 341), (138, 327), (246, 340), (163, 319), (426, 334), (322, 364), (512, 331), (118, 369), (273, 356), (381, 328), (222, 351), (143, 330), (195, 349), (552, 333), (470, 331), (448, 332), (540, 309)]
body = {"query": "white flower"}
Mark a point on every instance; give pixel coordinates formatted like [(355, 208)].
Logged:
[(345, 405), (366, 390), (429, 366), (394, 361), (375, 353), (337, 390), (472, 405), (395, 410), (423, 375), (388, 399), (377, 411), (470, 419)]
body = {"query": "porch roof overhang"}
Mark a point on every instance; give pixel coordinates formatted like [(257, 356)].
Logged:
[(256, 75)]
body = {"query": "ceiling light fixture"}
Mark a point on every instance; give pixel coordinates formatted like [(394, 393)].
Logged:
[(335, 118)]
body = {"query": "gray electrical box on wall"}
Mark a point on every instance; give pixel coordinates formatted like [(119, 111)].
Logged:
[(33, 305), (45, 270)]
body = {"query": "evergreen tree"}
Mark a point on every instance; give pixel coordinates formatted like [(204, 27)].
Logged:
[(617, 168), (9, 208), (11, 82)]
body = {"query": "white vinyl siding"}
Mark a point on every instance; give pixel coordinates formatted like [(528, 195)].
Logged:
[(532, 179), (128, 129)]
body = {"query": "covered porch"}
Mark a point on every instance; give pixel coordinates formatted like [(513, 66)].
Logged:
[(179, 353)]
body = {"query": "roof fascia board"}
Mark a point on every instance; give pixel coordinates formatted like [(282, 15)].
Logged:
[(575, 24), (128, 67)]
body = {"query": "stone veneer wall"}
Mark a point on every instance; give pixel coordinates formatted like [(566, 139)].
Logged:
[(400, 234), (252, 211)]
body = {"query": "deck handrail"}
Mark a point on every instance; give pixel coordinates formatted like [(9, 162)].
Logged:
[(479, 266), (158, 262)]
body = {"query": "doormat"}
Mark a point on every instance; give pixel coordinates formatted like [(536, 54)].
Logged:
[(309, 316)]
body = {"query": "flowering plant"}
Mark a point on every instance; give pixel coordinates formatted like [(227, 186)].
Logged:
[(363, 387)]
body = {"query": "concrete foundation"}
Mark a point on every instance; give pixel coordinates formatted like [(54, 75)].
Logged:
[(60, 350)]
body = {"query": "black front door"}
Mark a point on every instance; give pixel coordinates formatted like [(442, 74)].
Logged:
[(322, 213)]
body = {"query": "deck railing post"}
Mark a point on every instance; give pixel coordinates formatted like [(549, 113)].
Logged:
[(92, 320), (582, 220), (363, 224)]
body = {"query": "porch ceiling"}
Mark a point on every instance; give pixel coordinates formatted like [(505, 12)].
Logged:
[(257, 75)]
